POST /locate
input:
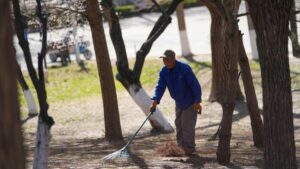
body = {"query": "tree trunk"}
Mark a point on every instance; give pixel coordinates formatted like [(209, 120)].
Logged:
[(224, 40), (293, 32), (32, 111), (143, 100), (215, 33), (223, 151), (184, 41), (279, 143), (131, 82), (256, 121), (12, 154), (230, 86), (130, 78), (77, 52), (252, 35), (41, 151), (213, 96), (110, 103), (217, 40), (79, 61), (46, 121), (38, 81)]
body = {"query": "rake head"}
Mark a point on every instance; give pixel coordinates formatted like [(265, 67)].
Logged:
[(120, 155)]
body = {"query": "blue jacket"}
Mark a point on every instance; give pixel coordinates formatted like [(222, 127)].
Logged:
[(182, 84)]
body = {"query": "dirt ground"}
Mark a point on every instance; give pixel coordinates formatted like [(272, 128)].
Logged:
[(77, 137)]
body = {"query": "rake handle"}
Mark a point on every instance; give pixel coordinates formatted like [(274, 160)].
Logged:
[(131, 139)]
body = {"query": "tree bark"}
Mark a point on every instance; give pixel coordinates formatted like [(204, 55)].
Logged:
[(224, 40), (271, 19), (214, 94), (184, 41), (216, 52), (218, 24), (256, 121), (12, 154), (111, 113), (223, 151)]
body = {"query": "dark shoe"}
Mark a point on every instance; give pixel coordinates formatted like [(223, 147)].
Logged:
[(188, 151)]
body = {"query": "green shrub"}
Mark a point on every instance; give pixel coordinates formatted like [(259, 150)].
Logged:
[(191, 3), (125, 8)]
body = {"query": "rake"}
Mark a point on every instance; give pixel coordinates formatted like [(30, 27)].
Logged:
[(123, 154)]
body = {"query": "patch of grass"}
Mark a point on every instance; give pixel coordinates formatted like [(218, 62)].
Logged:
[(188, 3), (295, 76), (21, 96), (125, 9), (150, 72), (197, 67), (67, 83), (254, 65)]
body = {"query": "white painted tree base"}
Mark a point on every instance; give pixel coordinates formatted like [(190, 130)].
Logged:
[(144, 101), (46, 74), (32, 111), (42, 146), (185, 45), (252, 35)]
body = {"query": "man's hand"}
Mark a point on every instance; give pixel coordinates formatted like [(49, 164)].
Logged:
[(198, 108), (153, 106)]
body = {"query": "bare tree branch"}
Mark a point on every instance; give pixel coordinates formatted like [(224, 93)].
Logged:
[(243, 14), (81, 12)]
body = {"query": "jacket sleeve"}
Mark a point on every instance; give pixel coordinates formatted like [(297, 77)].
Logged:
[(160, 88), (193, 84)]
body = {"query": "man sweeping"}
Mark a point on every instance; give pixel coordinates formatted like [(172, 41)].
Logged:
[(185, 89)]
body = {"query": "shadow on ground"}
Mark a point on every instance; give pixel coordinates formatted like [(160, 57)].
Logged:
[(87, 153)]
